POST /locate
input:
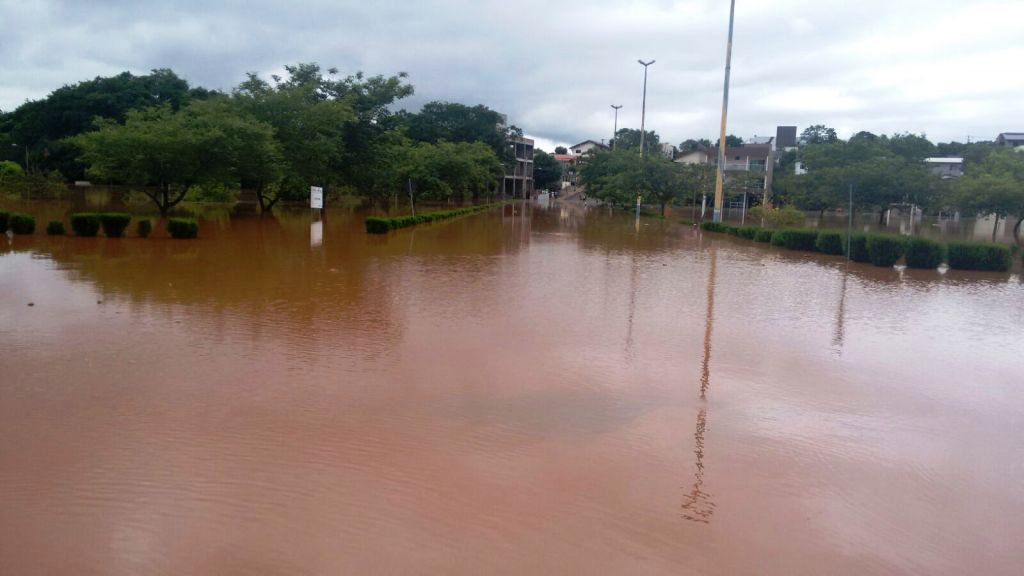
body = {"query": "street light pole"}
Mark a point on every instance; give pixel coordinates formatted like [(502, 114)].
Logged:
[(643, 115), (643, 106), (615, 133), (725, 113)]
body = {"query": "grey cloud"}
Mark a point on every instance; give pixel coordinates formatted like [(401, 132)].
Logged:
[(937, 66)]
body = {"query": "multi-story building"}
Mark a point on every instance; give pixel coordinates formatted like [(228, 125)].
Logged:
[(570, 176), (519, 177)]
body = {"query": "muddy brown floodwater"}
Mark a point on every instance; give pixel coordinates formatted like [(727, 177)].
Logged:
[(549, 391)]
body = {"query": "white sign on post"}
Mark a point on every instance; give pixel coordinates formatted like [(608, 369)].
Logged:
[(316, 197)]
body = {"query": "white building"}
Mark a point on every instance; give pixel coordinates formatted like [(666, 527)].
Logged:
[(586, 146), (946, 168)]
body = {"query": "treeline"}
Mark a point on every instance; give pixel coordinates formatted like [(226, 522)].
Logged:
[(890, 170), (883, 170), (275, 136)]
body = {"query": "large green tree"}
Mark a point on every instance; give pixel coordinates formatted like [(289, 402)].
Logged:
[(547, 172), (164, 152), (995, 186), (629, 139), (448, 170), (41, 126), (454, 122)]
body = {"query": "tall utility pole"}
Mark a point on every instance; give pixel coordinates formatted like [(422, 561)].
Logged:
[(643, 106), (615, 133), (643, 132), (719, 181)]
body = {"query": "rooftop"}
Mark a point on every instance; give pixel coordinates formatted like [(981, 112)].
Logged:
[(944, 160)]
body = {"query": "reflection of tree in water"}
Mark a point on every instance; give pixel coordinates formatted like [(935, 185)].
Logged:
[(697, 505)]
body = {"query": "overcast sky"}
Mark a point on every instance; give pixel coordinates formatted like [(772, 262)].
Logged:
[(950, 69)]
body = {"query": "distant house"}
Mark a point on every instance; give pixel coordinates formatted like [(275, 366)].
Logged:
[(668, 150), (1010, 139), (587, 146), (570, 176), (696, 157), (946, 168)]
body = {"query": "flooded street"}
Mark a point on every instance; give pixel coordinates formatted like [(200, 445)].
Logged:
[(544, 390)]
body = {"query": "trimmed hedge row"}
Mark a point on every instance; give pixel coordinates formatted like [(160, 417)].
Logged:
[(880, 249), (85, 223), (22, 223), (924, 253), (376, 225), (977, 256), (183, 228), (114, 223), (5, 217), (795, 239)]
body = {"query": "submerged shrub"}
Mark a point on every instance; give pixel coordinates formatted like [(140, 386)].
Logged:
[(748, 232), (763, 235), (794, 239), (55, 228), (925, 253), (144, 227), (831, 242), (4, 219), (85, 223), (710, 226), (114, 223), (859, 248), (885, 249), (183, 228), (976, 256), (22, 223)]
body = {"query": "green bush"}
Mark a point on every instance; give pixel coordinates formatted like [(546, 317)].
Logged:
[(686, 222), (114, 223), (183, 228), (731, 230), (831, 242), (709, 226), (377, 225), (885, 249), (5, 217), (975, 256), (144, 227), (22, 223), (748, 232), (764, 235), (55, 228), (794, 239), (859, 248), (925, 253), (787, 217), (85, 223)]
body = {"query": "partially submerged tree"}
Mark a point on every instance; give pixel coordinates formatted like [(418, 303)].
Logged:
[(164, 152), (996, 186)]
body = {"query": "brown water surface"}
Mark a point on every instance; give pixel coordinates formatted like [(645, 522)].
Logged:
[(544, 390)]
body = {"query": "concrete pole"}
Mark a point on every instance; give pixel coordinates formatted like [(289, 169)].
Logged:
[(615, 132), (725, 113)]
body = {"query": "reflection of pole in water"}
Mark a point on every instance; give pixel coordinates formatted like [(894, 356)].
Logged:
[(632, 306), (708, 323), (840, 334), (697, 505)]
